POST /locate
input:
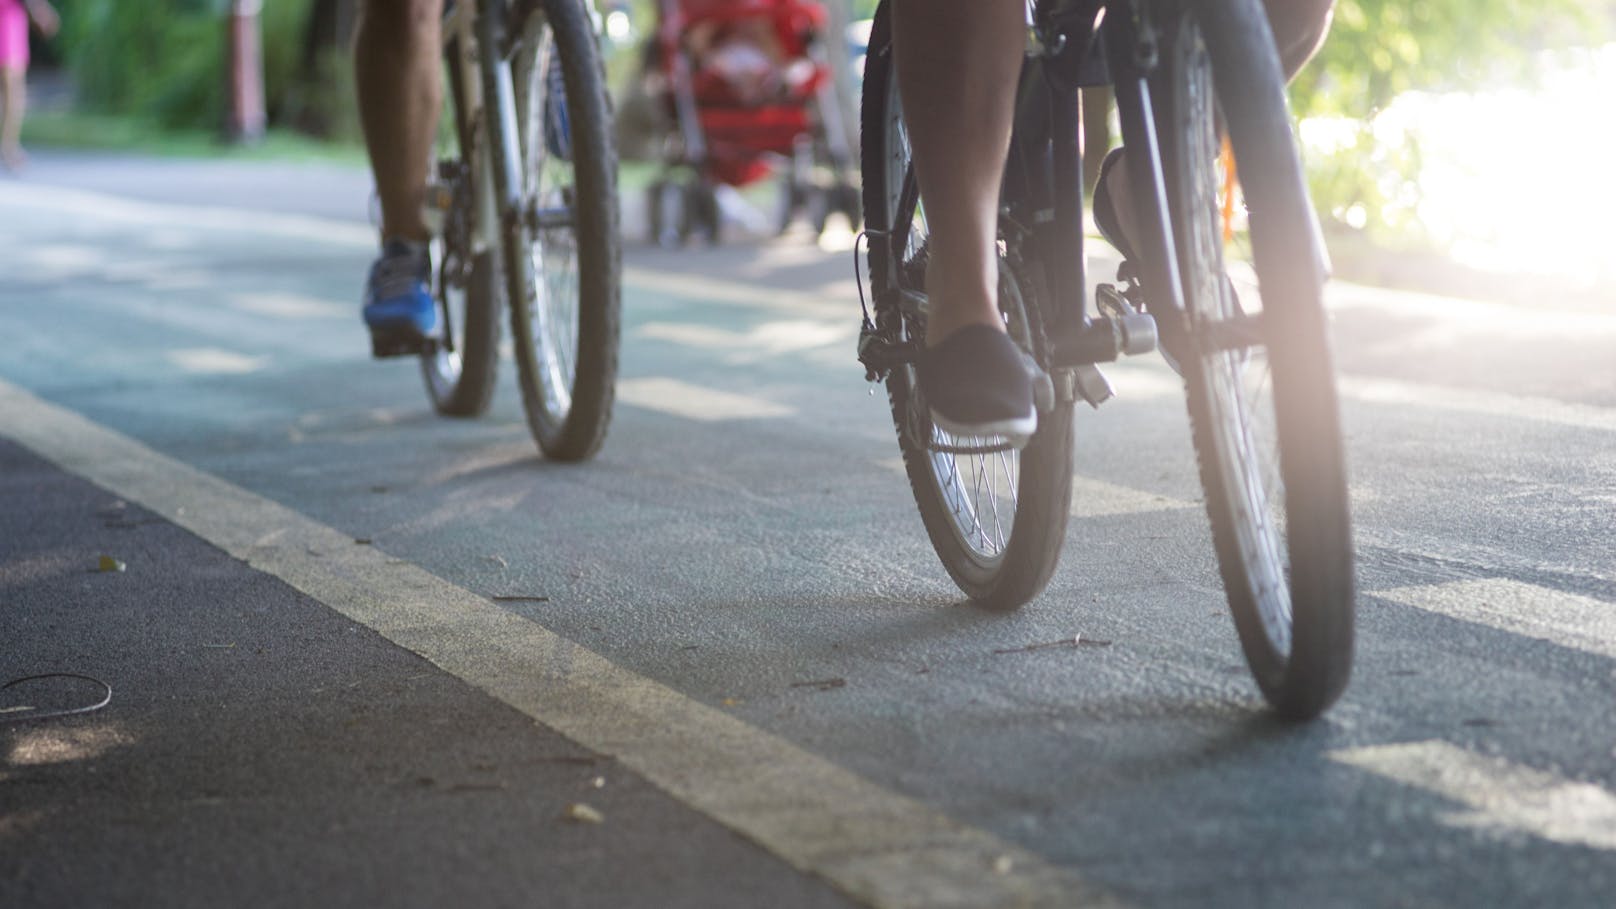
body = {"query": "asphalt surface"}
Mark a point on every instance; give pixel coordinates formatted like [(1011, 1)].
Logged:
[(743, 537), (261, 750)]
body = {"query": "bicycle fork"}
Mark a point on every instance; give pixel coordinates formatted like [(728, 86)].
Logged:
[(505, 208)]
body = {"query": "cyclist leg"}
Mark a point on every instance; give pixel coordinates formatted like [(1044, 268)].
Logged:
[(13, 100), (13, 82), (957, 62), (397, 74)]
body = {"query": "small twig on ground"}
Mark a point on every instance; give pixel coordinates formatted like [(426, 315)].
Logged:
[(1076, 640), (822, 684)]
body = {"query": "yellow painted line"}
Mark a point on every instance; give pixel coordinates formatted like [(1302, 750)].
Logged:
[(1496, 794), (1566, 619), (693, 402), (882, 848)]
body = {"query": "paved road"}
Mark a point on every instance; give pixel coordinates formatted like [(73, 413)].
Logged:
[(735, 610)]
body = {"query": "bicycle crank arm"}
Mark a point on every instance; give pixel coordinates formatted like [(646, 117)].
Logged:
[(880, 357), (1104, 339)]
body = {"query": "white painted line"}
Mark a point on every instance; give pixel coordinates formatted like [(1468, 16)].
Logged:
[(1098, 499), (1496, 793), (1567, 619), (881, 848), (1152, 383), (693, 402), (215, 361), (290, 306), (1148, 382), (758, 342), (93, 206), (757, 296), (1482, 403)]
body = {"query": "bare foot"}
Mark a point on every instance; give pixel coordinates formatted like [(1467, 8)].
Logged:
[(14, 160)]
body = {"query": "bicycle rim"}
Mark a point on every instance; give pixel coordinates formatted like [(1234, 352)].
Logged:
[(460, 370), (1261, 398), (567, 335), (995, 515), (549, 179)]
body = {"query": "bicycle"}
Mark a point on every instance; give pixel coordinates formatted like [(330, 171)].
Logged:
[(1258, 377), (524, 203)]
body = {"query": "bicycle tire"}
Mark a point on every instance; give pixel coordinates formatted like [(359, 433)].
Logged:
[(1264, 419), (574, 308), (1007, 568), (461, 374)]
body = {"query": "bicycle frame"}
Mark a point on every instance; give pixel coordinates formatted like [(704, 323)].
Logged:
[(1072, 44), (463, 52)]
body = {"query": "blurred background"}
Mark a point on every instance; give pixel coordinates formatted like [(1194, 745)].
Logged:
[(1453, 145)]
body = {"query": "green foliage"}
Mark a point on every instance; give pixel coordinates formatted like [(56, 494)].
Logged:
[(1378, 49), (1366, 177), (163, 61)]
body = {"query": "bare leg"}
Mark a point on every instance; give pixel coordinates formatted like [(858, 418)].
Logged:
[(14, 97), (957, 62), (396, 61)]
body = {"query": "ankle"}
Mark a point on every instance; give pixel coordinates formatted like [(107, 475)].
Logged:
[(955, 302)]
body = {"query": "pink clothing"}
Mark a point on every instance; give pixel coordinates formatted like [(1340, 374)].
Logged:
[(13, 35)]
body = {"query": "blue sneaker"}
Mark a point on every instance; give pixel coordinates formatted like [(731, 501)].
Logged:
[(399, 309)]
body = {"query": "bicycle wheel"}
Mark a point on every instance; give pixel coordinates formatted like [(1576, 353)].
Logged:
[(461, 370), (1257, 369), (995, 516), (566, 332)]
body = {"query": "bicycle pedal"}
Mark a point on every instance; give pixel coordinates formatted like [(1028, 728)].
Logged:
[(1111, 302), (387, 344), (1092, 386)]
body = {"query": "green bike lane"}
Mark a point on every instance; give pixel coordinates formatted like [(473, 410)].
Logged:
[(742, 557)]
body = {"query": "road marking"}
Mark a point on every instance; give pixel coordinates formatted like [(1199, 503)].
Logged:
[(881, 848), (713, 290), (148, 215), (1472, 401), (289, 306), (1097, 498), (693, 402), (215, 361), (759, 342), (1496, 793), (1577, 622), (87, 205)]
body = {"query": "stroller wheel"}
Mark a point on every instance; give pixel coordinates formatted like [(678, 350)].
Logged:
[(666, 214), (701, 213), (820, 206), (788, 201), (849, 204)]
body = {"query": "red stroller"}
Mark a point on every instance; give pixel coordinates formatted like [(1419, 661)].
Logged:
[(747, 87)]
